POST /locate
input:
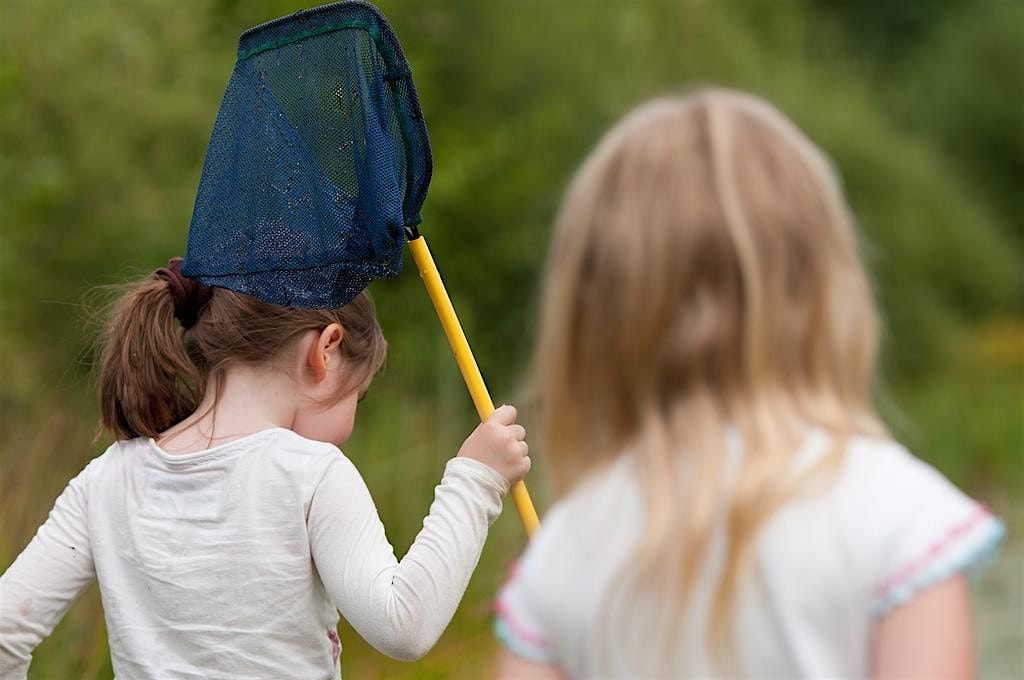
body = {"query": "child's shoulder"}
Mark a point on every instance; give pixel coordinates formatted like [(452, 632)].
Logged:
[(292, 442), (292, 449), (881, 476), (281, 446), (881, 460), (911, 523), (273, 458), (893, 521)]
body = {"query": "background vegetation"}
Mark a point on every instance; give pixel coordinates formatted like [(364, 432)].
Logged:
[(106, 108)]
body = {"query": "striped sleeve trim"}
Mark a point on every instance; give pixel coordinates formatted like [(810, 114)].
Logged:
[(963, 547), (518, 638)]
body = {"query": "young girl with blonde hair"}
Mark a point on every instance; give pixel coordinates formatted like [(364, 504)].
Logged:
[(225, 527), (730, 502)]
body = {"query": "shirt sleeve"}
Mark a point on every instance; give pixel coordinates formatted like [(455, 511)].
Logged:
[(41, 584), (929, 530), (522, 623), (517, 623), (401, 608)]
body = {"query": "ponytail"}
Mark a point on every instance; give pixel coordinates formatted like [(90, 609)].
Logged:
[(169, 337), (148, 381)]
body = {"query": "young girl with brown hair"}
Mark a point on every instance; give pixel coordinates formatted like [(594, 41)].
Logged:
[(224, 526), (730, 502)]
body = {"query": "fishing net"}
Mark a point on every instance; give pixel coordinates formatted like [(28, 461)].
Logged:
[(318, 161)]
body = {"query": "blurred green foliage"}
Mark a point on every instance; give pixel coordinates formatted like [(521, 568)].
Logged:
[(106, 108)]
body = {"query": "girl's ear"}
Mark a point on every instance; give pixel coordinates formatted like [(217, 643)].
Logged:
[(321, 352)]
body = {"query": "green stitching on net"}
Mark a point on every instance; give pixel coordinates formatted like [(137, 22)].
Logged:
[(328, 28)]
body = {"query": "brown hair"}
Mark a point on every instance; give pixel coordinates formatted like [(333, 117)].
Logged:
[(704, 277), (154, 373)]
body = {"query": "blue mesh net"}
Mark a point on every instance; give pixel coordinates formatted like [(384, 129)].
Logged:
[(318, 160)]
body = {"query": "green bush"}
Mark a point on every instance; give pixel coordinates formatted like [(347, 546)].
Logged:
[(106, 108)]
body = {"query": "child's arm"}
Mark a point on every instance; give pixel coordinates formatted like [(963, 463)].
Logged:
[(45, 579), (922, 537), (929, 637), (401, 608)]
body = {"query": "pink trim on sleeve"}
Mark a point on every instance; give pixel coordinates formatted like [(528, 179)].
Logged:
[(516, 627), (912, 567)]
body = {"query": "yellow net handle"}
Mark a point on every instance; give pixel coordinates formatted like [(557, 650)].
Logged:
[(467, 364)]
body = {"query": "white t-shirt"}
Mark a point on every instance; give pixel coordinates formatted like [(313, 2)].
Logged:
[(234, 561), (826, 566)]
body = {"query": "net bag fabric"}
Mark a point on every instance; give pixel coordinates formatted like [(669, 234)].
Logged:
[(318, 160)]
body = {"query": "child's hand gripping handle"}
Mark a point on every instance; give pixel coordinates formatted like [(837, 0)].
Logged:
[(464, 358)]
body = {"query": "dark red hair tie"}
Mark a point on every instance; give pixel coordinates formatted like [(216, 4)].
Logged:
[(190, 296)]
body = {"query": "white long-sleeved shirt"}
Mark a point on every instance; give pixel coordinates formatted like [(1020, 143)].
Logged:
[(234, 561)]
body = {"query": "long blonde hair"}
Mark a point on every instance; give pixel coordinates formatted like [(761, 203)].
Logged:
[(704, 275)]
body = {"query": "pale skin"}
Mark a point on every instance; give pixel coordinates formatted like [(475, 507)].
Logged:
[(929, 637), (291, 395)]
